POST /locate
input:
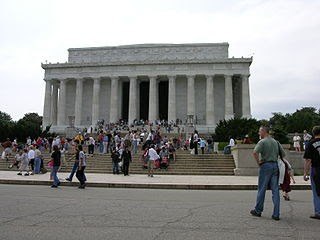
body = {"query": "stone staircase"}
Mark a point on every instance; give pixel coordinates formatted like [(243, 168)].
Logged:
[(186, 164)]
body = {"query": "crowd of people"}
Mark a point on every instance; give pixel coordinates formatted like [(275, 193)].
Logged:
[(158, 151)]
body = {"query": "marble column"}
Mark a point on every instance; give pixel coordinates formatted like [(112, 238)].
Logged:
[(210, 101), (172, 111), (95, 101), (133, 100), (47, 106), (191, 97), (153, 108), (229, 112), (62, 103), (54, 103), (246, 110), (78, 103), (114, 105)]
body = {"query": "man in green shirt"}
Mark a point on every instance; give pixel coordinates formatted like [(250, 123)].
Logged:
[(266, 155)]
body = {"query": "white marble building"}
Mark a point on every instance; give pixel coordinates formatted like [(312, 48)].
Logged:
[(147, 81)]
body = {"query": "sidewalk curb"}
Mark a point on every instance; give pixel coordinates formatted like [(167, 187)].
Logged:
[(149, 186)]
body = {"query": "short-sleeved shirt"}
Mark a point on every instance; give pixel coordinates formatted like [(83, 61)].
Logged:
[(313, 152), (268, 149), (56, 156), (82, 159)]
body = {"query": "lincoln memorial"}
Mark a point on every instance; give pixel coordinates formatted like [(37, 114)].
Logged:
[(147, 81)]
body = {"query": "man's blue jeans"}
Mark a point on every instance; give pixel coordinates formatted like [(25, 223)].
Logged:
[(101, 147), (268, 175), (115, 168), (135, 146), (74, 169), (316, 198), (54, 175), (37, 163)]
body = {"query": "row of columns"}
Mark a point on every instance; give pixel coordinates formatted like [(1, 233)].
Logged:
[(55, 111)]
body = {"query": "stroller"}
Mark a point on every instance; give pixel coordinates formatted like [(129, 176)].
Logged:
[(164, 163)]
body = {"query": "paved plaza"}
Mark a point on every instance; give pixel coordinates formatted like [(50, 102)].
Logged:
[(39, 212), (142, 181)]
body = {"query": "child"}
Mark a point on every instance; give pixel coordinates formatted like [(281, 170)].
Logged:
[(16, 160), (24, 163), (285, 186)]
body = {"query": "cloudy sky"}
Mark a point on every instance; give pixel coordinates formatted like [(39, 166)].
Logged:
[(282, 35)]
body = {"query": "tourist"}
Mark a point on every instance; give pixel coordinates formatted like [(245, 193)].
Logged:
[(7, 145), (247, 140), (126, 160), (266, 155), (306, 139), (202, 145), (195, 142), (91, 144), (105, 141), (17, 160), (37, 160), (63, 156), (153, 156), (149, 139), (172, 152), (50, 141), (55, 159), (210, 145), (100, 141), (312, 163), (115, 156), (296, 142), (82, 165), (24, 166), (31, 156), (29, 141), (76, 162), (135, 142), (79, 138), (227, 149)]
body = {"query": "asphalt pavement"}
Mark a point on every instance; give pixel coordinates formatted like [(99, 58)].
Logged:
[(39, 212)]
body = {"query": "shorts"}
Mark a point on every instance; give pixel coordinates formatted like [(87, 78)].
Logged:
[(8, 151), (151, 163)]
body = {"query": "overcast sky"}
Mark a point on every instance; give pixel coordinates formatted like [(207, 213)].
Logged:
[(283, 37)]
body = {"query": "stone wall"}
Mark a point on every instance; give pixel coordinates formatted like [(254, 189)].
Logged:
[(247, 166)]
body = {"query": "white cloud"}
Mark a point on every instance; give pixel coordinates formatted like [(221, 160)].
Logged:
[(283, 35)]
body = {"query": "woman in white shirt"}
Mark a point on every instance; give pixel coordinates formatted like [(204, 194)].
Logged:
[(153, 156), (296, 142)]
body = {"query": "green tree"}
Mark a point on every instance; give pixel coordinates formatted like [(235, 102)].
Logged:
[(236, 128), (303, 119), (5, 117), (29, 125)]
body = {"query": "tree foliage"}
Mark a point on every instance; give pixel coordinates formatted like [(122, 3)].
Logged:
[(302, 119), (236, 128), (29, 125)]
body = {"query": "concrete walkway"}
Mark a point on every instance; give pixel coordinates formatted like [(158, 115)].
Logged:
[(142, 181)]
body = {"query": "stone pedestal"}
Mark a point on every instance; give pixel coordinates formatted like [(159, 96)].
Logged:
[(246, 165)]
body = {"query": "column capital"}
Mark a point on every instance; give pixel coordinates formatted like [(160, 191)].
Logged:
[(64, 80), (96, 80), (191, 76), (133, 77), (210, 76), (152, 77), (114, 77), (172, 77), (228, 75)]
